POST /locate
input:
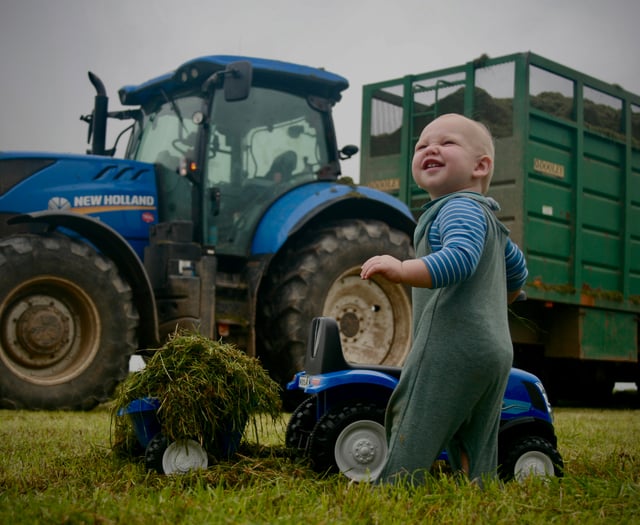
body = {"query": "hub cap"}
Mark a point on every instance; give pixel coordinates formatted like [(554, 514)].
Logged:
[(49, 331), (374, 318)]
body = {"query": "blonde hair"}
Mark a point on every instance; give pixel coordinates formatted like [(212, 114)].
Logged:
[(487, 146), (484, 141)]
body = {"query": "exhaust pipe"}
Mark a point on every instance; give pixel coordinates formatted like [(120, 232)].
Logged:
[(98, 126)]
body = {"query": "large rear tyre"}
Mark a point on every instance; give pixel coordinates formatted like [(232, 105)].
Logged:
[(67, 324), (318, 274)]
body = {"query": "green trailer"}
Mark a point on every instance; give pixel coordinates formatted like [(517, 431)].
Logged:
[(567, 177)]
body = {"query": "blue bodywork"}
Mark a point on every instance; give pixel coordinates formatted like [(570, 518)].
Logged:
[(518, 401), (119, 193), (200, 206), (265, 71), (123, 195), (294, 208)]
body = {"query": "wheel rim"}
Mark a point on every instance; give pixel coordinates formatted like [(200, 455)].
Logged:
[(360, 450), (183, 456), (533, 463), (50, 330), (374, 316)]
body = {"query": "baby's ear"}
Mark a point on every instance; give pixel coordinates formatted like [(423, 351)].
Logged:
[(483, 167)]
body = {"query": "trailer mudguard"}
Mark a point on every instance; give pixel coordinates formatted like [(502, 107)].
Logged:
[(295, 208), (366, 378), (110, 243)]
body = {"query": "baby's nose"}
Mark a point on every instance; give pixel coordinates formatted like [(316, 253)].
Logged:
[(431, 148)]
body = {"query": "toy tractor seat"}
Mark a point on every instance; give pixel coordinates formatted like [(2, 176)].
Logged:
[(324, 351)]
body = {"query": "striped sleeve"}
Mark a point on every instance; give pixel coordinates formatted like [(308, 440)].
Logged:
[(516, 267), (457, 238)]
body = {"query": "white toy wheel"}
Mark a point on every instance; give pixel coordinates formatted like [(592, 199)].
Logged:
[(361, 449), (529, 456), (350, 439), (533, 463), (184, 456)]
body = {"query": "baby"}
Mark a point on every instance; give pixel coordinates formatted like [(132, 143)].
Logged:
[(465, 273)]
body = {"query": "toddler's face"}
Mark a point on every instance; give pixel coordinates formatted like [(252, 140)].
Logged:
[(448, 157)]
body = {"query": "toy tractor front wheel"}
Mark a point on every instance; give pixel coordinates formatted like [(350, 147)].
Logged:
[(529, 456), (350, 439)]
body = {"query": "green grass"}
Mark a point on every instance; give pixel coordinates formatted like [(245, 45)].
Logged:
[(58, 467)]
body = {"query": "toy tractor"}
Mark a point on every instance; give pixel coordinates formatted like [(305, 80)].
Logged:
[(339, 426)]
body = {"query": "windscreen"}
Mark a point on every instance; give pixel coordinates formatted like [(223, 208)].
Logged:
[(258, 149), (252, 151), (166, 135)]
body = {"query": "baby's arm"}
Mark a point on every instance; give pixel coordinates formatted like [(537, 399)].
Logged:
[(516, 270), (412, 272), (460, 227)]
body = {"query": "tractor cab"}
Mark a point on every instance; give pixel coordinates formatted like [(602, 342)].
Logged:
[(229, 137)]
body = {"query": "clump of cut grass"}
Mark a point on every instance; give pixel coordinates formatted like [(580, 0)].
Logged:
[(205, 389)]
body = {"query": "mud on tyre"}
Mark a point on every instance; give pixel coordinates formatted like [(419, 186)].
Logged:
[(318, 274), (67, 324)]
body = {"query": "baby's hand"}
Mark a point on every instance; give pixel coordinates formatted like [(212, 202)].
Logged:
[(387, 266), (412, 272)]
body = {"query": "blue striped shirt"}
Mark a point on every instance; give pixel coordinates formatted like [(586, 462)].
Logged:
[(457, 237)]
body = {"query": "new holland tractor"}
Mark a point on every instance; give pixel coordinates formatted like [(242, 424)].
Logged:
[(226, 216)]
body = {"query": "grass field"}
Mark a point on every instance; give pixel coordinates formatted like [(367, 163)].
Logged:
[(58, 467)]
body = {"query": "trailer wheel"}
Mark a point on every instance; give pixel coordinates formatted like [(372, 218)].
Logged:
[(67, 324), (300, 425), (350, 439), (318, 274), (529, 456)]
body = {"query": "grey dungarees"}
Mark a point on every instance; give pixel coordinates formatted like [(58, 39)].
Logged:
[(452, 384)]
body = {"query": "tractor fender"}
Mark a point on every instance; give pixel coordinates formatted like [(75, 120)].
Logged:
[(364, 377), (111, 244), (527, 426), (295, 209)]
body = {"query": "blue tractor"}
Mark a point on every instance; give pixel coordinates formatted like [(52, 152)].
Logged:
[(226, 215)]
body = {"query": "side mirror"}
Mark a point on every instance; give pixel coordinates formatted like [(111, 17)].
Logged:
[(348, 151), (237, 80)]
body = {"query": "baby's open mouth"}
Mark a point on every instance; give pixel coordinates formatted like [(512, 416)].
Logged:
[(428, 164)]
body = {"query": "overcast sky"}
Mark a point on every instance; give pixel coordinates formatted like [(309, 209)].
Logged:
[(47, 47)]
